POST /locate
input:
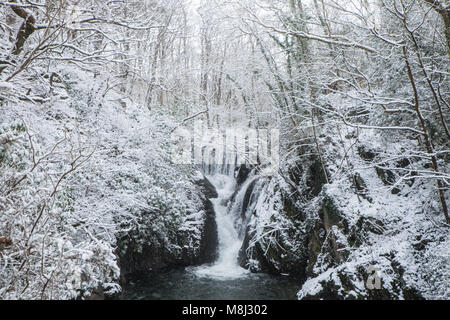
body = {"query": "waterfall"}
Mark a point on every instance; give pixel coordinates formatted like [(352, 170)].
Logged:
[(226, 266), (244, 202)]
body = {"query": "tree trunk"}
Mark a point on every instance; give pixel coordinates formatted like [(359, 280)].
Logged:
[(26, 29), (426, 136), (445, 14)]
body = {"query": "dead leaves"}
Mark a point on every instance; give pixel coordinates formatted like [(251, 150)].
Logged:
[(4, 240)]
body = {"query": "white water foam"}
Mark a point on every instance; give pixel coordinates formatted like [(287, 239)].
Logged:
[(226, 267)]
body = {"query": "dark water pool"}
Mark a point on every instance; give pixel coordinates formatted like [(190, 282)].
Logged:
[(183, 284)]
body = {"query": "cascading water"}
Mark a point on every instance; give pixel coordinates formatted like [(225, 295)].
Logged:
[(224, 279), (244, 202), (226, 266)]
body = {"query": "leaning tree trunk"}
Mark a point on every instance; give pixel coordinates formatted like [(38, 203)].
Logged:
[(25, 31)]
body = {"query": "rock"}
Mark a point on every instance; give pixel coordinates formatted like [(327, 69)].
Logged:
[(185, 250), (151, 257), (276, 260), (242, 256), (362, 228), (361, 187), (243, 173), (248, 198), (386, 175), (366, 154), (257, 254), (322, 237), (207, 188), (353, 286), (209, 242), (315, 178)]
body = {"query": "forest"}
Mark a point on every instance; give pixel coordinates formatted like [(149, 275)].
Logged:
[(350, 98)]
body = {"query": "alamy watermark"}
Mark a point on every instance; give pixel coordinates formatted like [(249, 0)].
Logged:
[(200, 145), (374, 280)]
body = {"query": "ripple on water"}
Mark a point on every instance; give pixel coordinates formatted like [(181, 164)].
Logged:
[(186, 284), (220, 271)]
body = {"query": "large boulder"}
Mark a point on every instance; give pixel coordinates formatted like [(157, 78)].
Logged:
[(195, 242)]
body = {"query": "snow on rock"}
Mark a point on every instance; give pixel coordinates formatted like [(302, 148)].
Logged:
[(329, 235)]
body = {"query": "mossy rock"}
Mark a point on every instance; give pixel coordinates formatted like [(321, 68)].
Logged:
[(291, 210), (363, 226), (316, 178), (361, 187), (366, 154), (330, 213)]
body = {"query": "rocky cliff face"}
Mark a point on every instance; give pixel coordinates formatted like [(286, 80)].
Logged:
[(354, 238), (271, 241), (194, 242)]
